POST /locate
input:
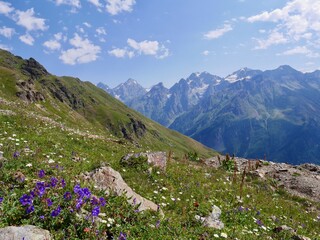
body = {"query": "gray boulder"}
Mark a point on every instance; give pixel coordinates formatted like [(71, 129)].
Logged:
[(213, 220), (158, 159), (107, 179), (27, 232)]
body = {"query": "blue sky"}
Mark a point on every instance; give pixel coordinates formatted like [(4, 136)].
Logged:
[(161, 40)]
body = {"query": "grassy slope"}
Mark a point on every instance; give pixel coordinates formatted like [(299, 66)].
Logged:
[(186, 189)]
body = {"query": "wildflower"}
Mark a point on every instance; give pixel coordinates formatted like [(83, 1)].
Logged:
[(122, 236), (29, 165), (95, 211), (56, 212), (77, 189), (86, 230), (158, 224), (67, 196), (30, 209), (49, 202), (224, 235), (16, 154), (102, 202), (41, 217), (259, 222), (79, 203), (26, 200), (40, 188), (258, 213), (63, 183), (86, 193), (51, 161), (41, 173), (53, 181), (94, 201), (1, 200)]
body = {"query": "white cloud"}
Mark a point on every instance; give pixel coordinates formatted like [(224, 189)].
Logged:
[(152, 48), (121, 53), (29, 21), (274, 38), (27, 39), (96, 3), (303, 50), (298, 20), (88, 25), (73, 3), (52, 45), (218, 32), (115, 7), (205, 53), (5, 8), (83, 51), (149, 48), (7, 32), (5, 47), (144, 47), (101, 31)]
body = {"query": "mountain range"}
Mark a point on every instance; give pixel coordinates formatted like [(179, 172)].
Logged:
[(273, 114)]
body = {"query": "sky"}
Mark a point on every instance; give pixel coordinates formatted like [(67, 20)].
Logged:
[(155, 41)]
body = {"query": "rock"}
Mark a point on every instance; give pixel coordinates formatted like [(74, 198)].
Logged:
[(106, 178), (298, 237), (283, 228), (27, 232), (158, 159), (213, 220), (310, 167)]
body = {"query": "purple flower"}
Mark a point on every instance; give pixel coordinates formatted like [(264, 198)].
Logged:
[(259, 222), (49, 202), (86, 192), (16, 154), (79, 203), (41, 217), (41, 173), (258, 213), (134, 201), (67, 196), (102, 202), (95, 211), (26, 200), (53, 181), (94, 201), (240, 209), (56, 212), (63, 183), (158, 224), (30, 209), (1, 200), (40, 189), (122, 236), (77, 189)]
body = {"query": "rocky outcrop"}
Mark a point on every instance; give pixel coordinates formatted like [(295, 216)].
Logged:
[(27, 232), (108, 179), (27, 91), (302, 180), (157, 159), (33, 69), (213, 220)]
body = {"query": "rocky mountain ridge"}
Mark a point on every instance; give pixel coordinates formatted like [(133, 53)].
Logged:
[(250, 113)]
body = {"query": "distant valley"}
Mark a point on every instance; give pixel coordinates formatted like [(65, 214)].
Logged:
[(272, 114)]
